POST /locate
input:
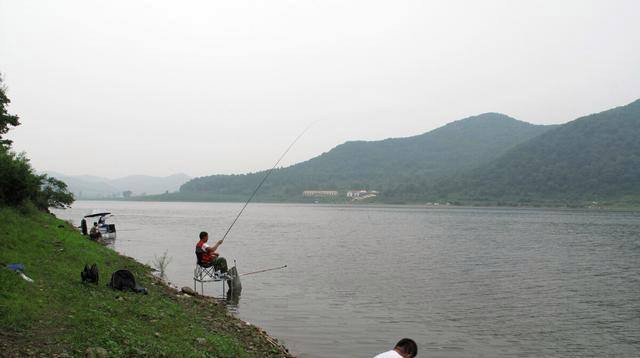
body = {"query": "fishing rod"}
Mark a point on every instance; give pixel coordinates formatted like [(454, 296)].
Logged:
[(265, 270), (265, 178)]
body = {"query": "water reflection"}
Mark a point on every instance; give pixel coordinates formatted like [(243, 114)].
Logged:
[(233, 297), (235, 288)]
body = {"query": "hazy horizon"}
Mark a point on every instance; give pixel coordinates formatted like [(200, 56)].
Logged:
[(56, 173), (157, 88)]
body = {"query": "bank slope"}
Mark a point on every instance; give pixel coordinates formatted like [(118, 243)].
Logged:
[(593, 158), (382, 165), (56, 315)]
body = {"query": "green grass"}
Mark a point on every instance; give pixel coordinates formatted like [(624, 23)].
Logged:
[(58, 314)]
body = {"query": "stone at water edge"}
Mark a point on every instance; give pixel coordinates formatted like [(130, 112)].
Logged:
[(101, 352), (189, 291)]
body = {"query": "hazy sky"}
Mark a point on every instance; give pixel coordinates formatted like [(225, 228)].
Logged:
[(114, 88)]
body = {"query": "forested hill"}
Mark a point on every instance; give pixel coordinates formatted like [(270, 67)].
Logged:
[(380, 165), (593, 158)]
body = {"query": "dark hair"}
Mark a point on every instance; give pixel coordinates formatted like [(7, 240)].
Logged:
[(203, 234), (408, 346)]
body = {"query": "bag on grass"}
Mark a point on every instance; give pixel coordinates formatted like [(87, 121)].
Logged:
[(90, 274), (124, 280)]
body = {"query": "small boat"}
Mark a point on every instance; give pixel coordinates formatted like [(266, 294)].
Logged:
[(108, 231)]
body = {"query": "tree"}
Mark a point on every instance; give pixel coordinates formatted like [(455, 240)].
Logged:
[(54, 194), (6, 119), (17, 181), (19, 184)]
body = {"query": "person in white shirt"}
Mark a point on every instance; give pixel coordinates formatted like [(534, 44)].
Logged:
[(405, 348)]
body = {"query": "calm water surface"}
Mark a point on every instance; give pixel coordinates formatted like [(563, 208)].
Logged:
[(462, 282)]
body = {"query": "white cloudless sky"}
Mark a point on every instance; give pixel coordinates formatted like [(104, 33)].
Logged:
[(114, 88)]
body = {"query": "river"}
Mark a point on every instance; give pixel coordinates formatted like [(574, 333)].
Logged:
[(462, 282)]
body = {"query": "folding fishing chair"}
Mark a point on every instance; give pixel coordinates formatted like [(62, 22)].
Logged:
[(204, 274)]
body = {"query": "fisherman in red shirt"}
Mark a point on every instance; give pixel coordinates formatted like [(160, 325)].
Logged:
[(207, 255)]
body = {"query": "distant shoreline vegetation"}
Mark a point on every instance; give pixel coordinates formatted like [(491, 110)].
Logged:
[(627, 203)]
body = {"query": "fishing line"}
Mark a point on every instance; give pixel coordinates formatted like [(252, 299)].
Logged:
[(265, 178), (129, 240)]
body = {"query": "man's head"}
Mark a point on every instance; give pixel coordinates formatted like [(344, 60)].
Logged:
[(95, 223), (407, 348), (204, 236)]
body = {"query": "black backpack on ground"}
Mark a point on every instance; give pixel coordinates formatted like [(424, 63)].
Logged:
[(124, 280), (90, 274)]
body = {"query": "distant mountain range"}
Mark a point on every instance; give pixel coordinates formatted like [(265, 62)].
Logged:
[(488, 159), (93, 187)]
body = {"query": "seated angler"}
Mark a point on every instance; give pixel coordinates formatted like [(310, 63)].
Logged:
[(207, 255), (94, 233)]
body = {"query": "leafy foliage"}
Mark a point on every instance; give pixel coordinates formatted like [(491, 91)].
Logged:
[(54, 194), (19, 185), (17, 180), (6, 119)]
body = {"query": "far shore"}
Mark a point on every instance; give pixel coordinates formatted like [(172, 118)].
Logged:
[(605, 205)]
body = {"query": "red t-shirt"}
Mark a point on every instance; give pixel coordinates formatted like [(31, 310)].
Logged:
[(205, 258)]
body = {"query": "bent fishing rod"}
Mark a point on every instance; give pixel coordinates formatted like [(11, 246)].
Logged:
[(265, 179), (265, 270)]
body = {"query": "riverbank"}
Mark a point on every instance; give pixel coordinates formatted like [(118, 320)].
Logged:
[(58, 316)]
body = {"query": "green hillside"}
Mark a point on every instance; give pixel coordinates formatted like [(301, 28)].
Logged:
[(593, 158), (382, 165)]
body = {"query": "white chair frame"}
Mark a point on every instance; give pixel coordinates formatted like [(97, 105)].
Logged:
[(204, 275)]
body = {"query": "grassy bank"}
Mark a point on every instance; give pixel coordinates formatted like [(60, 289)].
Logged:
[(57, 315)]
